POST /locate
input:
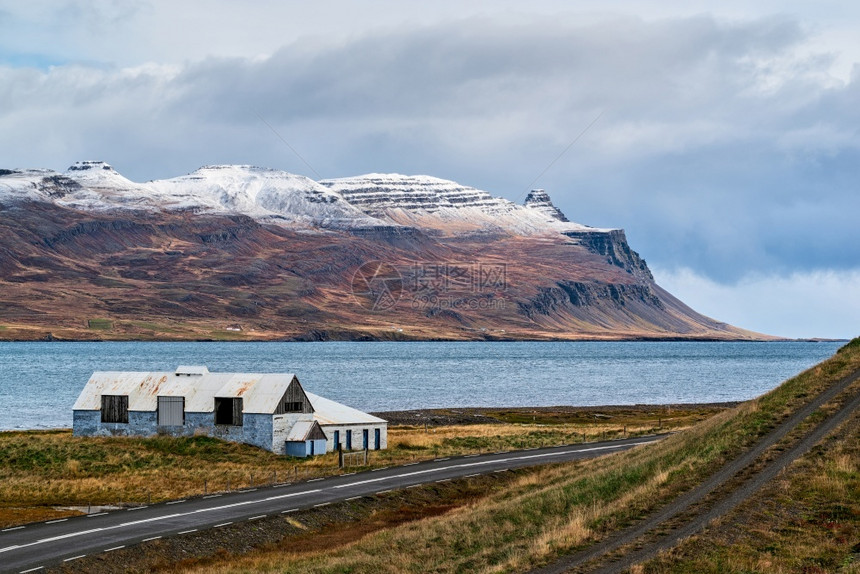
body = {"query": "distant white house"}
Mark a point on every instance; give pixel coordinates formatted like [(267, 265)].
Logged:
[(268, 410)]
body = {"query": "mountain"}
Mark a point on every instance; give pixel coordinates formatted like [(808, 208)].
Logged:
[(242, 252)]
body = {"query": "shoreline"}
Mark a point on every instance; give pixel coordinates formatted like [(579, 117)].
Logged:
[(559, 414), (447, 416), (53, 339)]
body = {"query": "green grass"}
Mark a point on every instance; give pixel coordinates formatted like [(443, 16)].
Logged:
[(557, 510), (156, 327), (100, 324), (224, 335), (53, 468), (805, 521)]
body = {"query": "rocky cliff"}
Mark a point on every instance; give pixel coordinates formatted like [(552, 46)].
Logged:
[(239, 252), (538, 199)]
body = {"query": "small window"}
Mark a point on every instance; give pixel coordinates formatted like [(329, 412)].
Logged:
[(115, 408), (228, 411), (293, 407)]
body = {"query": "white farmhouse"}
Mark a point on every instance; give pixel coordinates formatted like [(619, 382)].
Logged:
[(268, 410)]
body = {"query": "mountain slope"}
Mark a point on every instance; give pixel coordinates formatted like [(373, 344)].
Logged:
[(238, 252)]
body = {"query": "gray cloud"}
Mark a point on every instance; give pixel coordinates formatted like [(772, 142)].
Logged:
[(724, 147)]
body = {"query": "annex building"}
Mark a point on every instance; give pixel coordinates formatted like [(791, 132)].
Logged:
[(268, 410)]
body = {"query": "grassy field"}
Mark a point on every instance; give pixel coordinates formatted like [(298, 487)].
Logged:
[(555, 510), (100, 324), (808, 520), (805, 522), (45, 471)]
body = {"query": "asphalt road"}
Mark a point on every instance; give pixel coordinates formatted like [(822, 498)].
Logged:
[(31, 547)]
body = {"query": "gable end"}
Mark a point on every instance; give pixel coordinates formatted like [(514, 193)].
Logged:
[(294, 400)]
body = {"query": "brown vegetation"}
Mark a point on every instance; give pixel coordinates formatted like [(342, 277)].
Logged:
[(44, 470), (552, 511), (65, 274)]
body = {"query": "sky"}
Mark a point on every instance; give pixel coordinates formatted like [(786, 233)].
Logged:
[(724, 137)]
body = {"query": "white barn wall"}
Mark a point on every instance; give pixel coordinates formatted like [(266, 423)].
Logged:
[(281, 425), (356, 429), (262, 426)]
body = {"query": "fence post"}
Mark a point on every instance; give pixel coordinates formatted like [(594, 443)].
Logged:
[(339, 456), (365, 456), (252, 480), (228, 484), (205, 487)]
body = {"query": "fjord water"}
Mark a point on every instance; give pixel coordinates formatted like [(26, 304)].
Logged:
[(40, 381)]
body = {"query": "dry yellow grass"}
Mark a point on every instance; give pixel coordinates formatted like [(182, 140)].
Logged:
[(557, 509), (805, 521), (47, 469)]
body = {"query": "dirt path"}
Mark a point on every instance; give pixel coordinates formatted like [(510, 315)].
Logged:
[(588, 558)]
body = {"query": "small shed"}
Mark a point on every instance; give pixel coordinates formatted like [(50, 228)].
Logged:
[(306, 439)]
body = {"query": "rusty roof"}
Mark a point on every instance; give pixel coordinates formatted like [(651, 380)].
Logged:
[(260, 392)]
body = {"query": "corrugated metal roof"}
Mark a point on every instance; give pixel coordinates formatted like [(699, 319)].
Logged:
[(141, 388), (300, 431), (260, 392), (329, 412)]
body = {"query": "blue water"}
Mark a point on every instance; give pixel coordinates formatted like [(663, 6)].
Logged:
[(40, 381)]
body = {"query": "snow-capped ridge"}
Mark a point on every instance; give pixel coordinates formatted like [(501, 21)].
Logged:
[(376, 192), (444, 205), (283, 198), (538, 199), (262, 193), (90, 166)]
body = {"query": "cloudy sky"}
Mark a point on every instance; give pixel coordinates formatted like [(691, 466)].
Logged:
[(726, 140)]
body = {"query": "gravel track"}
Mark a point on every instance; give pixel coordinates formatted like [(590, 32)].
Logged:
[(721, 477)]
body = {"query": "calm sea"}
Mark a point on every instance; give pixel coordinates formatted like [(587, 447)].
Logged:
[(40, 381)]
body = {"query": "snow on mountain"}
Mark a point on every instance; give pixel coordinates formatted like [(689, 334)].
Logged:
[(445, 205), (264, 194), (283, 198), (260, 193), (103, 189), (539, 200), (377, 192), (23, 184), (87, 185)]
